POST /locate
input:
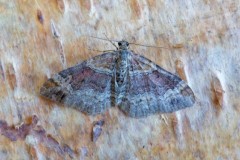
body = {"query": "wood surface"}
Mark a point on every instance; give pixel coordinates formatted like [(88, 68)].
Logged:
[(40, 38)]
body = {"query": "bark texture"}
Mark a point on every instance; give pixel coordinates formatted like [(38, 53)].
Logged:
[(42, 37)]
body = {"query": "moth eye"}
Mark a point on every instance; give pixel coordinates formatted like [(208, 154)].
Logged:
[(127, 44), (119, 43)]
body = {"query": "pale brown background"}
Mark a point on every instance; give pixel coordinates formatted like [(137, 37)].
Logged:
[(203, 41)]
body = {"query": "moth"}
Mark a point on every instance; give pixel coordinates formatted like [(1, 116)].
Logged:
[(122, 78)]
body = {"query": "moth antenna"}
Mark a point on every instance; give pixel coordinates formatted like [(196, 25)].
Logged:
[(106, 39), (148, 46), (110, 41), (103, 38), (100, 50)]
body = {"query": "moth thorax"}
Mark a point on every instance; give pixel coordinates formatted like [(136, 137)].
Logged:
[(121, 68)]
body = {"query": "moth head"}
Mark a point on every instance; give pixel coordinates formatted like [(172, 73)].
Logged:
[(123, 45)]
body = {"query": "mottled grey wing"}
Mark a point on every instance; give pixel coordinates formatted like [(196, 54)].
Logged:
[(151, 89), (86, 86)]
